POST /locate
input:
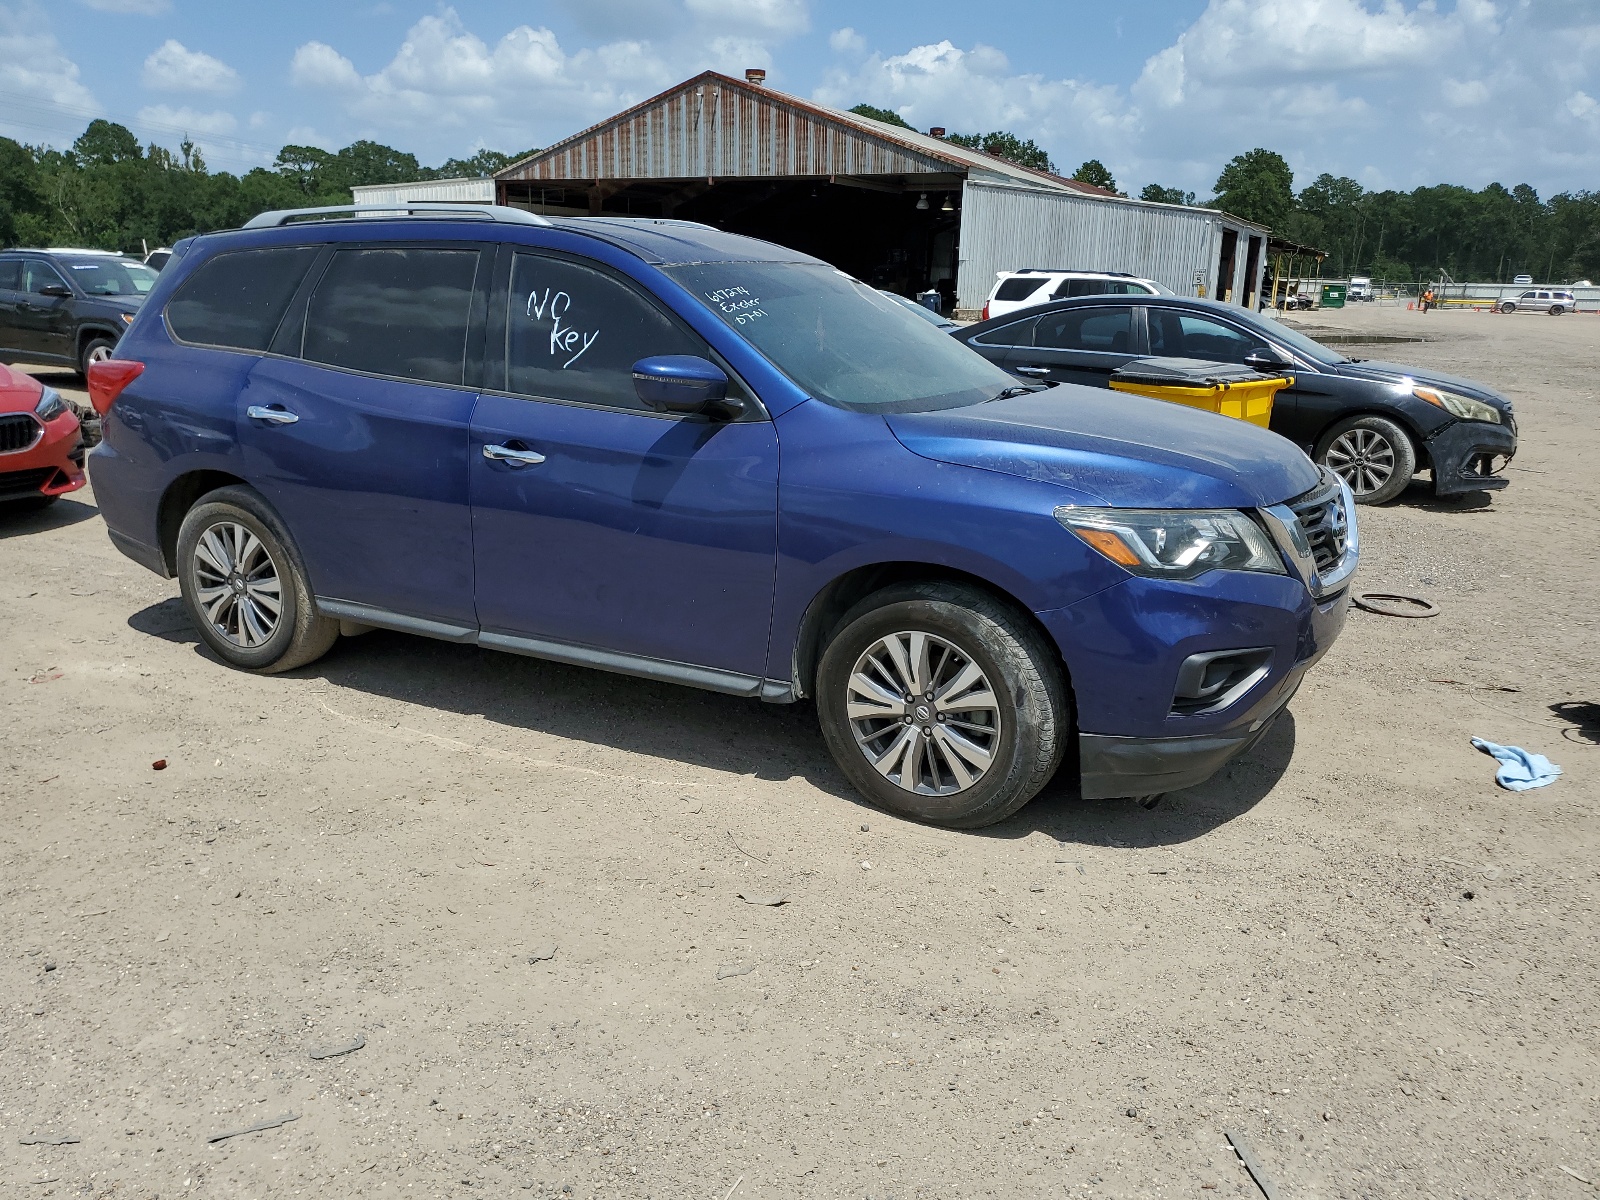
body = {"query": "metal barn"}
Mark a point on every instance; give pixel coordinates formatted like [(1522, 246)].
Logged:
[(899, 209)]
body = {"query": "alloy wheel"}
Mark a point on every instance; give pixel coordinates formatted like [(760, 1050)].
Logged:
[(923, 713), (1363, 458), (99, 354), (236, 584)]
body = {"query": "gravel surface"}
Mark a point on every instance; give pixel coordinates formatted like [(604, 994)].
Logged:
[(521, 884)]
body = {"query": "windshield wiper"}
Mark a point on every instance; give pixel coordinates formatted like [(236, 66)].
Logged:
[(1021, 389)]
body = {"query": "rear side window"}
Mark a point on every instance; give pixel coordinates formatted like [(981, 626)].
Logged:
[(574, 333), (1106, 330), (401, 311), (11, 274), (236, 300), (1018, 289), (1018, 333)]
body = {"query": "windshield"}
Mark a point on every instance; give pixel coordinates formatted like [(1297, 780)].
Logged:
[(1315, 351), (927, 314), (112, 276), (842, 341)]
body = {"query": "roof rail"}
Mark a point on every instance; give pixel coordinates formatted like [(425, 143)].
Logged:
[(407, 208)]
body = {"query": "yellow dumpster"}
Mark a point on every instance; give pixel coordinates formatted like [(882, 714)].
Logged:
[(1226, 388)]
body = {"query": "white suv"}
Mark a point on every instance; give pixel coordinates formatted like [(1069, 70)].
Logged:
[(1035, 285), (1546, 301)]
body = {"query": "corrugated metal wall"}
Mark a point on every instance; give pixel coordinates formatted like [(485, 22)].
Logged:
[(708, 130), (1005, 228), (475, 191)]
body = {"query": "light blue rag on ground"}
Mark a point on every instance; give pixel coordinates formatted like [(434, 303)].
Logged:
[(1519, 768)]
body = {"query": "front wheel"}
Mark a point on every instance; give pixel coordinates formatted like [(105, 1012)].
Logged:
[(1371, 454), (244, 587), (1508, 307), (95, 350), (942, 705)]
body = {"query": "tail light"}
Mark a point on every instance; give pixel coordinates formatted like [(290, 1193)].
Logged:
[(985, 316), (107, 378)]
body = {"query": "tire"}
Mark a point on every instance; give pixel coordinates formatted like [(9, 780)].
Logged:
[(1556, 310), (1508, 307), (235, 556), (1372, 454), (96, 349), (973, 763)]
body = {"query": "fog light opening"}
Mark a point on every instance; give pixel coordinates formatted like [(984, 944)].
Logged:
[(1217, 678)]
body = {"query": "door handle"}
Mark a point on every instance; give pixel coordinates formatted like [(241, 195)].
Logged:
[(1035, 371), (512, 457), (272, 415)]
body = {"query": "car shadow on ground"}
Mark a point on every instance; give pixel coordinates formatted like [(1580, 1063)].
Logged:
[(1419, 494), (726, 734), (24, 517)]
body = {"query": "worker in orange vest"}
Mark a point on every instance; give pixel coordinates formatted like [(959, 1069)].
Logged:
[(1427, 299)]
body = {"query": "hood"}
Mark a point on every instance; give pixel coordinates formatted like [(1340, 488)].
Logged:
[(1387, 372), (19, 392), (1115, 449)]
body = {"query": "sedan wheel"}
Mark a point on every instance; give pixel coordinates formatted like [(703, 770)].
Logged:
[(1373, 455), (923, 713)]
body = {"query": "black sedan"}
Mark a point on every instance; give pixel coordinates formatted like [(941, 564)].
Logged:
[(1375, 423)]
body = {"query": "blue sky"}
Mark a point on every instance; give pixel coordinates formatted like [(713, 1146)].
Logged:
[(1396, 93)]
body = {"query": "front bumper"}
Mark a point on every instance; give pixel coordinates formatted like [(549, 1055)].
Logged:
[(52, 466), (1464, 453)]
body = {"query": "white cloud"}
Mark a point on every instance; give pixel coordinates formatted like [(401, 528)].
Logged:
[(319, 65), (33, 64), (766, 18), (847, 41), (1463, 93), (166, 119), (1583, 106), (140, 8), (175, 68)]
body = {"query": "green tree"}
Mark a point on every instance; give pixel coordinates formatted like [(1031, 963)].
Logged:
[(1094, 172), (105, 142), (482, 165), (1165, 195), (1008, 146), (887, 115), (21, 202), (1258, 186)]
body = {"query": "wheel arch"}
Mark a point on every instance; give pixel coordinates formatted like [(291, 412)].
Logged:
[(845, 591), (88, 333), (180, 496), (1419, 441)]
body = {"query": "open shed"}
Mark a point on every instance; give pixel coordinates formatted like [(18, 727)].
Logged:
[(902, 210)]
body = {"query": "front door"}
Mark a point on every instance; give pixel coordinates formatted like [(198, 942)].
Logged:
[(360, 441), (44, 323), (1079, 345), (598, 524)]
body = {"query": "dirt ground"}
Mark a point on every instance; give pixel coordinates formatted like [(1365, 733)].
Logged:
[(1351, 948)]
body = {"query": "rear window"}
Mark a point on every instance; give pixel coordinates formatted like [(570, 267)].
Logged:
[(236, 300), (1018, 289), (401, 311)]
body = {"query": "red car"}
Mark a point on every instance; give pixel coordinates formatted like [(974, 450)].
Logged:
[(41, 443)]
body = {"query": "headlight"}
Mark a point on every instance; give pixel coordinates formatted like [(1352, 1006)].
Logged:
[(1458, 405), (50, 405), (1175, 543)]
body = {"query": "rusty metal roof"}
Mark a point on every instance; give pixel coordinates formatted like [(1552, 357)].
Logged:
[(715, 126)]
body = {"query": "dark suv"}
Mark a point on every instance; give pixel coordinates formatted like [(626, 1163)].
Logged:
[(67, 307)]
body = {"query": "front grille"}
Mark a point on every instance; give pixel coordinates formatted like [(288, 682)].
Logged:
[(18, 431), (1322, 519), (23, 483)]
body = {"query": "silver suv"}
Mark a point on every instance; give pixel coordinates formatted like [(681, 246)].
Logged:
[(1037, 285), (1543, 300)]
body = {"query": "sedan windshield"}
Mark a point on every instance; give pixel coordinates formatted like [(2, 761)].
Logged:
[(842, 341), (1315, 351), (112, 276)]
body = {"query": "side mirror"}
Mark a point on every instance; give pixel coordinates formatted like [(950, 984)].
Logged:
[(1266, 360), (56, 289), (683, 383)]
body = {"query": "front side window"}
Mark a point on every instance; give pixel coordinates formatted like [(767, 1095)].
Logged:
[(841, 341), (573, 333), (36, 276), (1180, 335), (1104, 330), (112, 276), (401, 311), (236, 300)]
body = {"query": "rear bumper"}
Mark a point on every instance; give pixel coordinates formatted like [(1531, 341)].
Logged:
[(1463, 454), (52, 466)]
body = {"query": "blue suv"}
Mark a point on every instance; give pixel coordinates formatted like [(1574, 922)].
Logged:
[(660, 449)]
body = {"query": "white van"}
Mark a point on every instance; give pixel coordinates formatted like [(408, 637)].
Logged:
[(1360, 288)]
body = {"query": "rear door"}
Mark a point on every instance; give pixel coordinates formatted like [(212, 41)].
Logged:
[(357, 434), (1079, 345), (599, 527)]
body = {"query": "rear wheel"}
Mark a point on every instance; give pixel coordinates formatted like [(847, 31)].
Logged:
[(244, 587), (1556, 310), (1371, 454), (942, 705)]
